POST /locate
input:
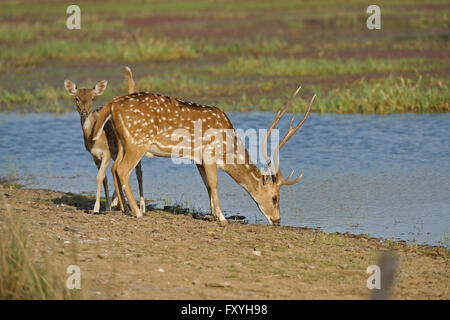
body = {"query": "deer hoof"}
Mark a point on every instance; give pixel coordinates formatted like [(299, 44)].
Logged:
[(115, 202), (223, 222), (128, 213)]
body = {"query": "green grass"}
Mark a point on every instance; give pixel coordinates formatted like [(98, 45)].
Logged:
[(241, 55), (38, 34), (391, 95), (43, 99), (271, 66), (132, 48), (388, 95), (126, 50)]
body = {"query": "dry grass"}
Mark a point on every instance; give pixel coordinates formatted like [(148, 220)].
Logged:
[(21, 275)]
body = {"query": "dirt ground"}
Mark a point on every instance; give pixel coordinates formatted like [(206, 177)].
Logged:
[(175, 256)]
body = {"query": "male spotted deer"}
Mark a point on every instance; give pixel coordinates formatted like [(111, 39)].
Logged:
[(105, 146), (154, 125)]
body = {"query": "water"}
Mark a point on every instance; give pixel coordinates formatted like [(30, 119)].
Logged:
[(386, 176)]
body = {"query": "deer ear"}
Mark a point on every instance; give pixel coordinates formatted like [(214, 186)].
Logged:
[(100, 87), (70, 87)]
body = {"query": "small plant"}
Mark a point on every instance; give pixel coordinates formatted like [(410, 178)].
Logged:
[(20, 276)]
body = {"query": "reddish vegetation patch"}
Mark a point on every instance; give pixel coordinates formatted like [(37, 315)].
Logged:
[(368, 53), (432, 6), (209, 27), (146, 21), (389, 53), (14, 19)]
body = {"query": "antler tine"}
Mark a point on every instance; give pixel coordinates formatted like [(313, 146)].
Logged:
[(288, 182), (292, 130), (288, 135), (272, 126), (290, 175)]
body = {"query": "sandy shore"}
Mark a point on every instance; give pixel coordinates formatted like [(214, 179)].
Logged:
[(174, 256)]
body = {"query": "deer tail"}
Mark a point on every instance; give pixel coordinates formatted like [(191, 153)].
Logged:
[(131, 84), (104, 114)]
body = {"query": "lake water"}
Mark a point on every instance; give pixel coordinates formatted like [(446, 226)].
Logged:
[(387, 176)]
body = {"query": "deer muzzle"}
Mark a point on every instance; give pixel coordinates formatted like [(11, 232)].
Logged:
[(275, 222)]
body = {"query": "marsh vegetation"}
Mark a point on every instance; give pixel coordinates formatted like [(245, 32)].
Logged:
[(239, 56)]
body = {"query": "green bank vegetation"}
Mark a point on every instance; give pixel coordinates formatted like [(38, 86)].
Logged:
[(390, 95), (237, 55)]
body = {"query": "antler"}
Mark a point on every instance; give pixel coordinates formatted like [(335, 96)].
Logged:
[(274, 167)]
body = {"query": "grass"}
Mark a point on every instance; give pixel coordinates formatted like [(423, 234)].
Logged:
[(43, 99), (237, 55), (108, 32), (445, 242), (391, 95), (388, 95), (271, 66), (130, 48), (12, 177), (21, 277)]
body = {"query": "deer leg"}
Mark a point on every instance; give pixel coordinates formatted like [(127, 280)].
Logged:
[(108, 199), (101, 177), (202, 172), (141, 190), (211, 177), (115, 199), (129, 161), (99, 186), (118, 190)]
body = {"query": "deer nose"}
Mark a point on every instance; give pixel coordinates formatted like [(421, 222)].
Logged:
[(276, 222)]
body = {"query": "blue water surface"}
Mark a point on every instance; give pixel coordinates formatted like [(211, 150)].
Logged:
[(387, 176)]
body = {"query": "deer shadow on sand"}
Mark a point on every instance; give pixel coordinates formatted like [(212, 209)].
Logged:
[(86, 203), (78, 201)]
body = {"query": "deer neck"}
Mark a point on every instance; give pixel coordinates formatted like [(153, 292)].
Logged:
[(246, 174), (83, 119), (87, 124)]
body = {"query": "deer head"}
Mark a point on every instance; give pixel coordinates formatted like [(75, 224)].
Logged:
[(267, 195), (84, 98)]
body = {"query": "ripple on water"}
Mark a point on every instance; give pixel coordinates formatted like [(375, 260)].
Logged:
[(387, 176)]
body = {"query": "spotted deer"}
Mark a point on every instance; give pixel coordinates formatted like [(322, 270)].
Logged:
[(105, 146), (155, 125)]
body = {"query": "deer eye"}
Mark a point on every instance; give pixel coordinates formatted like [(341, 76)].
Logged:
[(77, 100), (274, 199), (92, 99)]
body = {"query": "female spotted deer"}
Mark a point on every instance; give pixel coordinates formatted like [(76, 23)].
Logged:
[(154, 125), (105, 146)]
